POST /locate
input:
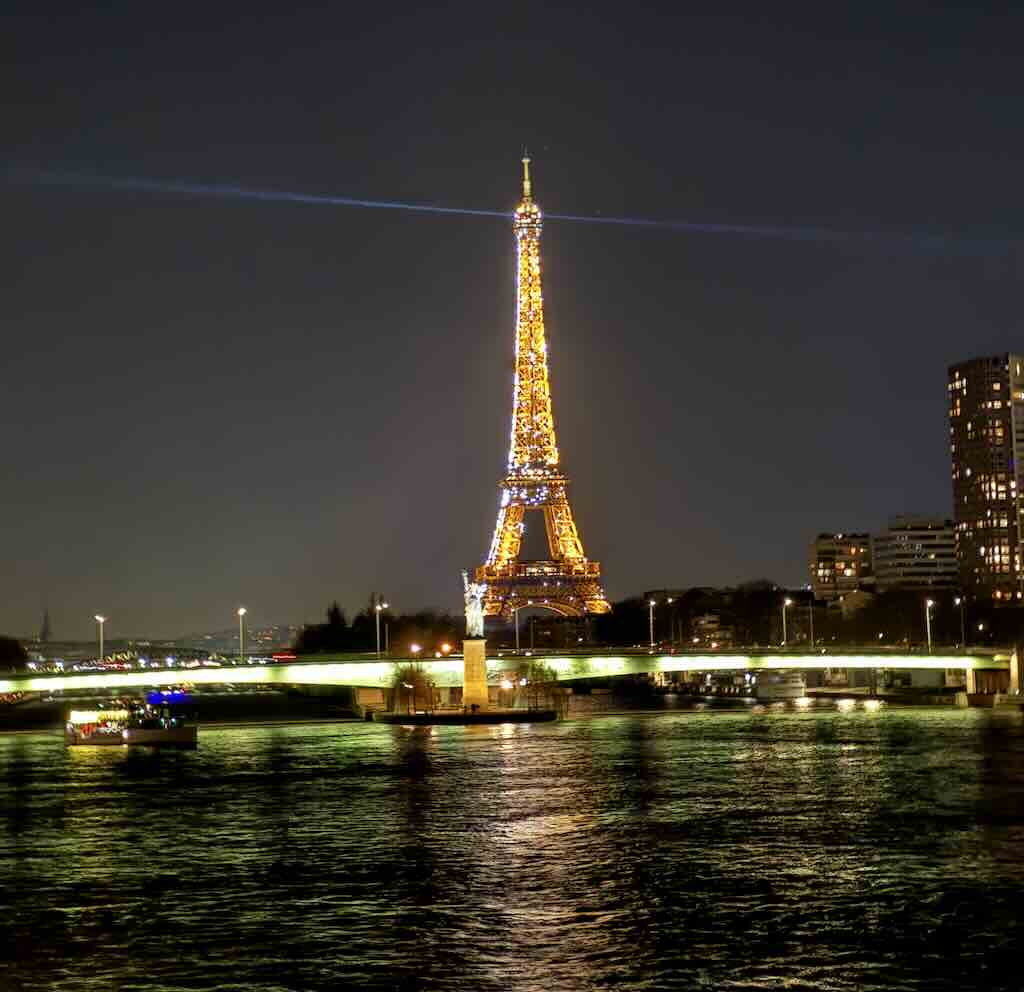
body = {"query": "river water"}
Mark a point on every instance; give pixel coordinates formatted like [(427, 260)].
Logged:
[(818, 850)]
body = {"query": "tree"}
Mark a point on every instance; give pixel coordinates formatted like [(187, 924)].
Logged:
[(541, 682), (321, 637), (625, 625), (412, 689), (336, 617), (12, 654)]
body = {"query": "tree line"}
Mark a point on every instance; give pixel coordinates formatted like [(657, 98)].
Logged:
[(12, 654), (751, 613), (429, 629)]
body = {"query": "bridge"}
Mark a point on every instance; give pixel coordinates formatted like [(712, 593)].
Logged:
[(361, 671)]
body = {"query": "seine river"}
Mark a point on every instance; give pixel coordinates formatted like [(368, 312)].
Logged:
[(815, 850)]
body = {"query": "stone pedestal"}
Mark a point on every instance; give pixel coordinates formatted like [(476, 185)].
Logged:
[(474, 673)]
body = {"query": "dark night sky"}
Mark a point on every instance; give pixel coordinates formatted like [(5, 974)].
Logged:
[(209, 402)]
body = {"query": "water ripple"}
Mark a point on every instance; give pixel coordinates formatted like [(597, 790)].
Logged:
[(746, 851)]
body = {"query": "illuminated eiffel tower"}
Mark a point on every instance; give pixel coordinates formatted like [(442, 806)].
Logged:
[(565, 582)]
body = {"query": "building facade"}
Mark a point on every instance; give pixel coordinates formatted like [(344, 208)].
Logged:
[(839, 564), (916, 552), (986, 428), (708, 630)]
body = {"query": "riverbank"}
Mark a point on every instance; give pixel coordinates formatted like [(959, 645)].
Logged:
[(271, 708)]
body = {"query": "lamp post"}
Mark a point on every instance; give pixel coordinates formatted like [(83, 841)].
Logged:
[(378, 608), (786, 603), (959, 601), (810, 613), (241, 634), (650, 621), (928, 604), (101, 621)]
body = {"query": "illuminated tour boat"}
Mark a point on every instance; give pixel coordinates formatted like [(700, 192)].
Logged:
[(164, 719), (779, 686)]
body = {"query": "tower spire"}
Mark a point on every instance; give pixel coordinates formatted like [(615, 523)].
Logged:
[(44, 631), (527, 193)]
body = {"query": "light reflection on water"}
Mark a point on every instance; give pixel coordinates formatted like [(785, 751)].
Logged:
[(743, 850)]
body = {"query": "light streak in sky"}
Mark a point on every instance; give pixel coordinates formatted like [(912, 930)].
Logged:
[(880, 240), (82, 180)]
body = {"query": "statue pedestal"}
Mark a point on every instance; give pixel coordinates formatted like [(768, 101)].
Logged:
[(474, 673)]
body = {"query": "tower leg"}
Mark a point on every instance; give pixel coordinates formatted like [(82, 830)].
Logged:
[(474, 673)]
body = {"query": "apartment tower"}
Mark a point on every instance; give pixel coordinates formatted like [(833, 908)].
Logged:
[(986, 434)]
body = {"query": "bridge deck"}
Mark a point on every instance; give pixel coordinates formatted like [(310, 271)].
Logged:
[(448, 671)]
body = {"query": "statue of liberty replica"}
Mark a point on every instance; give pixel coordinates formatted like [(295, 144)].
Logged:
[(474, 653)]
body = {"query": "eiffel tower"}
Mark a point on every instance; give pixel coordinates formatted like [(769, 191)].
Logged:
[(565, 582)]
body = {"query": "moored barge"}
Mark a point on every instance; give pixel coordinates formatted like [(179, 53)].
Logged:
[(163, 719)]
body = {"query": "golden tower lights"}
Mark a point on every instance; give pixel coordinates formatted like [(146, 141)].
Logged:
[(567, 582)]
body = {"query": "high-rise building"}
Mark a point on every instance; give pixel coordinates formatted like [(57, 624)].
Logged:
[(915, 552), (839, 564), (986, 428)]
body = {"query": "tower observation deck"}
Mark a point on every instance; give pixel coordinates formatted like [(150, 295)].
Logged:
[(566, 582)]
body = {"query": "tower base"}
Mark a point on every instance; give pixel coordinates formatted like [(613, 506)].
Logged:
[(474, 673)]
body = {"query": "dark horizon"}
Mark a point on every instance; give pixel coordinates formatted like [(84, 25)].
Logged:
[(211, 402)]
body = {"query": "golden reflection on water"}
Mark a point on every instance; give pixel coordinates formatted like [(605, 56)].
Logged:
[(834, 848)]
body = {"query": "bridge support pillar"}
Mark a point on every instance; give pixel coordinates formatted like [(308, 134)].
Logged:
[(1015, 671), (474, 673), (971, 680)]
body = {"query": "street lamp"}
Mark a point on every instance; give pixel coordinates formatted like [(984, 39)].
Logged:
[(415, 649), (671, 624), (786, 603), (241, 634), (959, 601), (928, 604), (650, 622), (101, 621), (378, 609), (810, 613)]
